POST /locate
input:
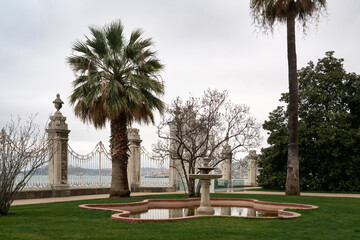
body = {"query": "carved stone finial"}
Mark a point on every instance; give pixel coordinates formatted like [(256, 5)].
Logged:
[(58, 102), (206, 161), (252, 154), (133, 135), (226, 149), (57, 121)]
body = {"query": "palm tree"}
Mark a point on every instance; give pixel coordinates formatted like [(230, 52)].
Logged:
[(117, 80), (266, 13)]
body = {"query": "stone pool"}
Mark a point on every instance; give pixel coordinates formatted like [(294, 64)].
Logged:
[(181, 209)]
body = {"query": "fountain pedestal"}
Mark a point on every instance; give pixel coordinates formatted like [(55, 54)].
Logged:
[(205, 206), (204, 177)]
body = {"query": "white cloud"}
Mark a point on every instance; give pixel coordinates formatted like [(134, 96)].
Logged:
[(204, 44)]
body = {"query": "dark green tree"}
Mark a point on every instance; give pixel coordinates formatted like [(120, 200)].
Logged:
[(272, 160), (117, 80), (329, 130), (266, 14)]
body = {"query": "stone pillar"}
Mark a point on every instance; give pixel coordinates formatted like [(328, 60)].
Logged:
[(175, 178), (171, 172), (58, 136), (252, 168), (226, 164), (135, 158)]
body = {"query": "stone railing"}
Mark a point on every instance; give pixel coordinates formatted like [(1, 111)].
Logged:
[(66, 168)]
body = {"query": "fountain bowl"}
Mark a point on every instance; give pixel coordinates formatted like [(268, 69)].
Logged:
[(206, 170)]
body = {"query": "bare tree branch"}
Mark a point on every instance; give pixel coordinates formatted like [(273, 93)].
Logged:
[(23, 149), (192, 129)]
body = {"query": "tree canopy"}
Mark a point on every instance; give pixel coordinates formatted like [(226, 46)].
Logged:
[(267, 13), (329, 131), (117, 80), (115, 76)]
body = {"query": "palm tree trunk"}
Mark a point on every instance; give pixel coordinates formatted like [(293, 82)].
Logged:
[(119, 155), (292, 177)]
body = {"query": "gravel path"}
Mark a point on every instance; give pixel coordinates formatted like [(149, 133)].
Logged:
[(86, 197)]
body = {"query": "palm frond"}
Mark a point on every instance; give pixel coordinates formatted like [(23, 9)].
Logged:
[(114, 36), (115, 76), (267, 12), (135, 36), (98, 42)]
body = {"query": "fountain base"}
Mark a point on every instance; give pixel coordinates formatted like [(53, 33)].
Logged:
[(205, 210)]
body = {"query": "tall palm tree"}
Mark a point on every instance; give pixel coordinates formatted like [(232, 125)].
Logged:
[(266, 13), (117, 80)]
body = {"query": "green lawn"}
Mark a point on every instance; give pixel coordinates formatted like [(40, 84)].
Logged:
[(303, 191), (263, 190), (336, 218)]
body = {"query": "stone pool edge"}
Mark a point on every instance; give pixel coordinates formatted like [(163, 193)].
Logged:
[(126, 208)]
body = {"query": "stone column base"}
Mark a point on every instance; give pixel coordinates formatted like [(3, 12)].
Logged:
[(205, 210), (60, 190), (135, 187)]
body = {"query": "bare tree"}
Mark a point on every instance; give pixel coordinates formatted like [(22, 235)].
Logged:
[(23, 148), (198, 127)]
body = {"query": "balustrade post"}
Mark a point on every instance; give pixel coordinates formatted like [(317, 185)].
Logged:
[(135, 158), (252, 168), (58, 136)]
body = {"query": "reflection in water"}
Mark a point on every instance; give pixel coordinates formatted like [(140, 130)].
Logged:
[(158, 213)]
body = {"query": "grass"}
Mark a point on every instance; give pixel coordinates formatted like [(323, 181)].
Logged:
[(303, 191), (263, 190), (336, 218)]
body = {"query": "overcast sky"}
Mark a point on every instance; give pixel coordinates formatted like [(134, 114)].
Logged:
[(203, 43)]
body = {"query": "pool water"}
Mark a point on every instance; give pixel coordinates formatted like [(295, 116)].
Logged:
[(161, 213)]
